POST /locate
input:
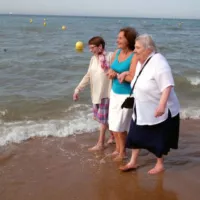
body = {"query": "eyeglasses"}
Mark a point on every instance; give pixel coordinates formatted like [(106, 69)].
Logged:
[(91, 47)]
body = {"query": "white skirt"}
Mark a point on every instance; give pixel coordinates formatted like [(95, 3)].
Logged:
[(119, 119)]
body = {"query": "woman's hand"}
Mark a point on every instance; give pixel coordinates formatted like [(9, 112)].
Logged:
[(163, 102), (121, 77), (111, 74), (75, 96), (160, 110)]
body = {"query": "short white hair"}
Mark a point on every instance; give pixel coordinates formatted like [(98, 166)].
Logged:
[(147, 42)]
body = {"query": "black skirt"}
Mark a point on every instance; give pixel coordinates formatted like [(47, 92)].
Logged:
[(158, 139)]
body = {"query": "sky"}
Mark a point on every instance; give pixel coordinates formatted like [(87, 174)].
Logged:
[(115, 8)]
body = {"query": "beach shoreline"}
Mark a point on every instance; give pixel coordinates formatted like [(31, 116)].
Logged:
[(62, 168)]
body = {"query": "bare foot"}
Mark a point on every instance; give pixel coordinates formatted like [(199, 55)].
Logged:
[(156, 170), (111, 141), (96, 148), (128, 167), (115, 153), (119, 158)]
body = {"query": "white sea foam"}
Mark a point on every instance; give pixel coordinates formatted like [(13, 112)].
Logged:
[(194, 80), (190, 113), (15, 132), (78, 120), (3, 112)]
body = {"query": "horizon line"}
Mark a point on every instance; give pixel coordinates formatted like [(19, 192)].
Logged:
[(97, 16)]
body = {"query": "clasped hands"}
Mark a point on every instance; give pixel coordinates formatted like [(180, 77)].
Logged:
[(160, 110), (112, 74)]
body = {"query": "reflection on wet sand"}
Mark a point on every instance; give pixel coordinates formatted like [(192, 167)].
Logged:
[(62, 168), (134, 186)]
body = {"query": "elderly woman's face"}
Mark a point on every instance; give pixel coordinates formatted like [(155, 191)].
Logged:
[(122, 42), (139, 49), (141, 52), (95, 49)]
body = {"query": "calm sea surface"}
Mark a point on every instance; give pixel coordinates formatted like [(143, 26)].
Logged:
[(39, 69)]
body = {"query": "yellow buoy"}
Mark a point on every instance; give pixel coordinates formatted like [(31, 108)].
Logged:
[(79, 45), (31, 21), (44, 23), (64, 28)]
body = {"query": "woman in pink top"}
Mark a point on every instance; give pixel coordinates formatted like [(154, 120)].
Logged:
[(100, 86)]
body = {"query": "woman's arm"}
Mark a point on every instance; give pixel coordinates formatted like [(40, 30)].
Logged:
[(165, 82), (111, 73), (83, 83), (129, 75), (163, 102)]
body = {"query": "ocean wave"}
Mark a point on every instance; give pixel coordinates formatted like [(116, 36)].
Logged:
[(190, 113), (77, 106), (174, 28), (80, 122), (33, 29), (187, 81), (194, 80), (3, 113), (45, 53)]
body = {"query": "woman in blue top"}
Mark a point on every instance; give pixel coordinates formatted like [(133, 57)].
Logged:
[(119, 119)]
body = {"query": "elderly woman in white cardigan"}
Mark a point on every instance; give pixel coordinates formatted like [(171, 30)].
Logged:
[(155, 120), (100, 87)]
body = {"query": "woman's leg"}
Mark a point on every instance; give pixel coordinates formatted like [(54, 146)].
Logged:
[(121, 140), (159, 167), (117, 148), (100, 143), (132, 164), (111, 139)]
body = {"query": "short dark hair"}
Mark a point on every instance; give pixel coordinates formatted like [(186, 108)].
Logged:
[(130, 34), (97, 40)]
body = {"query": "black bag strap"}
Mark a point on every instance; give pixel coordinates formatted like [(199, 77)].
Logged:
[(139, 74)]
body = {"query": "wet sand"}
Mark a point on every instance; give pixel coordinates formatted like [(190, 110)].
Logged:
[(62, 169)]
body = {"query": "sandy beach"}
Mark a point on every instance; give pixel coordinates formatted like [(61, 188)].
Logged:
[(42, 154), (62, 168)]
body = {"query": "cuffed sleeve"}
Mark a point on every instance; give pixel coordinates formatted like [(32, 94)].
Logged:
[(85, 80)]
